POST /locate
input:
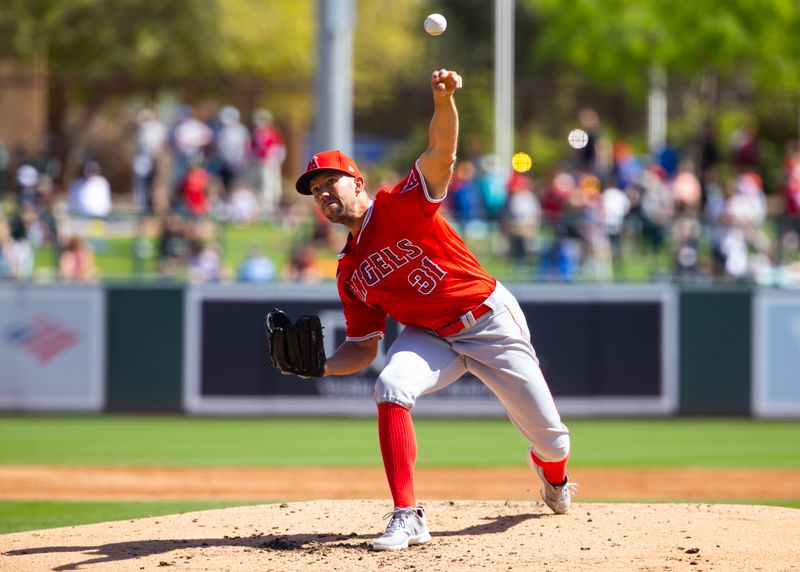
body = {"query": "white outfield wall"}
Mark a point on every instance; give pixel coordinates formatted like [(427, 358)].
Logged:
[(52, 348), (776, 353)]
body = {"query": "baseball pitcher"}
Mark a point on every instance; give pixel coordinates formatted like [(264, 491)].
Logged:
[(402, 259)]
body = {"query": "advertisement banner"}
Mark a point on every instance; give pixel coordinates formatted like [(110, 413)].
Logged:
[(776, 353), (603, 351), (51, 348)]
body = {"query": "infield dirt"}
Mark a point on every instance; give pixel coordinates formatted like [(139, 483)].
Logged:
[(473, 534), (467, 534)]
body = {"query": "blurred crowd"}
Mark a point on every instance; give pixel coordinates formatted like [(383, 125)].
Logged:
[(185, 177), (696, 212), (216, 165)]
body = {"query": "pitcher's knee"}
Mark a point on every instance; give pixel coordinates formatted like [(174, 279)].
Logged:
[(552, 450), (386, 391)]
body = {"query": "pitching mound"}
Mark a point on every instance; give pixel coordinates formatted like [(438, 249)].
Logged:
[(488, 535)]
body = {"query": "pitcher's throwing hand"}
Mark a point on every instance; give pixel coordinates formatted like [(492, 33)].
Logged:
[(445, 82)]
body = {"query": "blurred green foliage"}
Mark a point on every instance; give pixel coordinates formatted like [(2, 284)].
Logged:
[(719, 58)]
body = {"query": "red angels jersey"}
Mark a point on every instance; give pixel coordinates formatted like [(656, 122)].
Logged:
[(409, 263)]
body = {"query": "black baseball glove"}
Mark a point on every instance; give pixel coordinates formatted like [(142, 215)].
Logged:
[(295, 348)]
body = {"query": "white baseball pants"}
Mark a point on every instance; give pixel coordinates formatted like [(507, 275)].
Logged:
[(498, 351)]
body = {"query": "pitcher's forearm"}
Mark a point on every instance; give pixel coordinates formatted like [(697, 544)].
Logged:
[(352, 357)]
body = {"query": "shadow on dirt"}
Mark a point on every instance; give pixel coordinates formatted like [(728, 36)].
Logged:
[(320, 544)]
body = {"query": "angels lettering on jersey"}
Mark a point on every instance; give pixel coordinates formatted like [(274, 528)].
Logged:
[(407, 257), (380, 264)]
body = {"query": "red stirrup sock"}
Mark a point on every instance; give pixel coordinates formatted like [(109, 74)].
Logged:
[(399, 451), (555, 473)]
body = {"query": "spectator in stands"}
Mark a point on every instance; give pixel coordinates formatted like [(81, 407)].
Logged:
[(744, 147), (256, 268), (233, 148), (709, 159), (243, 206), (628, 168), (595, 246), (657, 209), (616, 206), (270, 152), (189, 138), (205, 262), (493, 184), (16, 256), (28, 226), (520, 219), (173, 246), (76, 262), (716, 221), (151, 138), (27, 179), (686, 190), (194, 191), (597, 156), (789, 234), (560, 260), (90, 195), (668, 158), (463, 197), (746, 210)]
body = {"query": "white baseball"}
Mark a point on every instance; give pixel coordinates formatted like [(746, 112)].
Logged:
[(435, 24), (578, 138)]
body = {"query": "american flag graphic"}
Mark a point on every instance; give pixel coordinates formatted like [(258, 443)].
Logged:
[(42, 337)]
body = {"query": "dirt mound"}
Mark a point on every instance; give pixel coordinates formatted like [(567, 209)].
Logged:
[(489, 535)]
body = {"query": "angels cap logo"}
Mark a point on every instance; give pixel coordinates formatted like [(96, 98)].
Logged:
[(313, 163)]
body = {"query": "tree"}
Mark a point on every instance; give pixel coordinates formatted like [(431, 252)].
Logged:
[(618, 41), (97, 51)]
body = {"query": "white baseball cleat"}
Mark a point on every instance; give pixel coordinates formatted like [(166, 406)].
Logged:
[(557, 497), (408, 526)]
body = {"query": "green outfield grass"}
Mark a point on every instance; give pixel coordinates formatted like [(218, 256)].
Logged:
[(16, 516), (203, 441)]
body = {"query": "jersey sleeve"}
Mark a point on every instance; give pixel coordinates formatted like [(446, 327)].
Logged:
[(362, 321), (413, 193)]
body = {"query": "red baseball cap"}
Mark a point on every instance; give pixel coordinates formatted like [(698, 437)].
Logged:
[(326, 161)]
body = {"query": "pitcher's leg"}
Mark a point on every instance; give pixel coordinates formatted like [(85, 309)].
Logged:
[(515, 377), (521, 388), (418, 362), (399, 452), (500, 353)]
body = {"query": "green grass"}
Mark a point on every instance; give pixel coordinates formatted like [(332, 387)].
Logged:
[(194, 441), (16, 516), (116, 260), (115, 256), (198, 441)]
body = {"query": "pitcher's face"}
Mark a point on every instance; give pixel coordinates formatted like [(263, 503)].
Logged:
[(335, 195)]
